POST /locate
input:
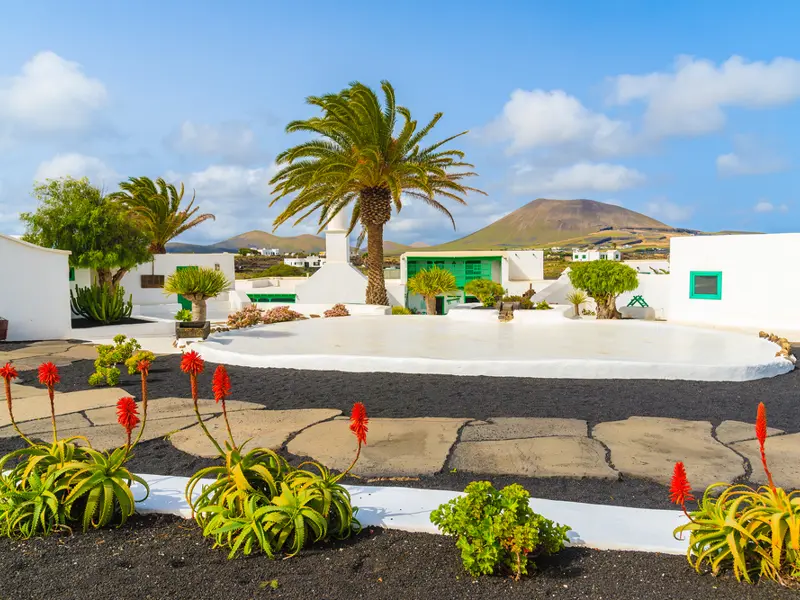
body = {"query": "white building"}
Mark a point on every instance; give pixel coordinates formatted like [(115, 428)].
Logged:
[(267, 251), (587, 255), (307, 262), (516, 270)]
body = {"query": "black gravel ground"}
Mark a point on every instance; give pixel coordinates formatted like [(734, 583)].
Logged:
[(162, 557)]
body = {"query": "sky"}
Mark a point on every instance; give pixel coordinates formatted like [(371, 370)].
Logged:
[(686, 111)]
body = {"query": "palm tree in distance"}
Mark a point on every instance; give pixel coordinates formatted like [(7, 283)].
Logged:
[(156, 208), (367, 155)]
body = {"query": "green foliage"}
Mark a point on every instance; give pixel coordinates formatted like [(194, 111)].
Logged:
[(278, 270), (122, 351), (485, 290), (101, 303), (245, 252), (401, 310), (603, 278), (184, 315), (74, 215), (543, 305), (756, 533), (155, 207), (524, 303), (432, 282), (576, 298), (498, 529), (196, 284)]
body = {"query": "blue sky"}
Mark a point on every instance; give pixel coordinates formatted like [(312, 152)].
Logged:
[(686, 111)]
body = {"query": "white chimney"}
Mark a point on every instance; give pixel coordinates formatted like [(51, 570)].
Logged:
[(337, 242)]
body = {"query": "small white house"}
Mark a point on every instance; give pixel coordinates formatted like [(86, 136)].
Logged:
[(267, 251), (34, 290), (587, 255), (308, 262)]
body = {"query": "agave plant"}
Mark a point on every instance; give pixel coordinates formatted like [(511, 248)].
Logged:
[(576, 298)]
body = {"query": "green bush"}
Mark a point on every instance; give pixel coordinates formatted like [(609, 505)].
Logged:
[(101, 303), (543, 305), (277, 270), (524, 303), (401, 310), (485, 290), (184, 315), (604, 280), (498, 529), (123, 351)]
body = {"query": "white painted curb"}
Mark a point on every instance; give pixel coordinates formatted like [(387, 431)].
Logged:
[(408, 509)]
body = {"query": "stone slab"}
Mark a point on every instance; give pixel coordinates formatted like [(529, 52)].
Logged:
[(534, 457), (19, 391), (79, 352), (395, 447), (649, 447), (32, 363), (37, 349), (729, 432), (509, 428), (264, 428), (167, 408), (38, 407), (42, 428), (106, 437), (783, 459)]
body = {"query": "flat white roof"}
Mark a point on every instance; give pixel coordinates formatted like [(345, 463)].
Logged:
[(11, 238)]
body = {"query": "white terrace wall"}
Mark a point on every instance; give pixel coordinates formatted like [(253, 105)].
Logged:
[(759, 280), (34, 290)]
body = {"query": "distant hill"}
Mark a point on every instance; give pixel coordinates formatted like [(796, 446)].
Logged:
[(306, 243), (547, 222), (420, 245)]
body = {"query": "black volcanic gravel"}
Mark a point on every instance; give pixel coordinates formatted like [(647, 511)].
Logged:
[(163, 557)]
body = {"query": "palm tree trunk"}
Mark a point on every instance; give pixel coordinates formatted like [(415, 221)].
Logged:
[(376, 285), (430, 305), (607, 307), (199, 310)]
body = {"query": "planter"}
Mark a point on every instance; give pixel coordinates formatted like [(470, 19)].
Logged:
[(3, 328), (192, 329)]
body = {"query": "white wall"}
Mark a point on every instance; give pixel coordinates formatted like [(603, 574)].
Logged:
[(270, 285), (333, 283), (34, 291), (165, 264), (527, 265), (760, 286)]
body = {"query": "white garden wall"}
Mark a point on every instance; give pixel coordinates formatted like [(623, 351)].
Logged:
[(759, 280), (34, 290)]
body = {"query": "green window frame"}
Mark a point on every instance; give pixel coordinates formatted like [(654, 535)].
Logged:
[(695, 295), (72, 273)]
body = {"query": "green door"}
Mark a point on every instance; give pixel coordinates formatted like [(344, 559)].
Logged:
[(185, 304)]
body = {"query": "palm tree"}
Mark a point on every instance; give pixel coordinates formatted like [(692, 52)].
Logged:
[(576, 298), (430, 283), (365, 157), (156, 207), (197, 286)]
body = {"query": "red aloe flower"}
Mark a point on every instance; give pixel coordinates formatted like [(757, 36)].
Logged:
[(48, 374), (221, 384), (679, 489), (761, 434), (191, 363), (358, 422), (8, 372), (143, 366), (127, 415)]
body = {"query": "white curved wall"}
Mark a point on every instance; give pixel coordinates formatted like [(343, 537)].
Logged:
[(34, 290)]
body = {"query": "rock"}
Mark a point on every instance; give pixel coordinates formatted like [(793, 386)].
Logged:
[(43, 428), (167, 408), (729, 432), (395, 447), (32, 363), (509, 428), (783, 459), (264, 428), (80, 352), (38, 407), (649, 447), (106, 437), (534, 457)]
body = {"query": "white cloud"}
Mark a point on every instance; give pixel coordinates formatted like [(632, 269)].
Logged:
[(76, 165), (583, 177), (690, 99), (50, 95), (614, 201), (669, 212), (764, 206), (235, 141), (749, 158), (539, 118)]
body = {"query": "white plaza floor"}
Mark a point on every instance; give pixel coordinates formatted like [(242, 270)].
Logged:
[(564, 349)]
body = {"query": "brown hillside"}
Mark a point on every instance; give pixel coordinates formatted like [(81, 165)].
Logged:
[(546, 221)]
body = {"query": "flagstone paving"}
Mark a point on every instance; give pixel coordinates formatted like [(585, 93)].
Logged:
[(165, 408), (649, 447), (729, 432), (509, 428), (106, 437), (783, 459), (43, 428), (38, 406)]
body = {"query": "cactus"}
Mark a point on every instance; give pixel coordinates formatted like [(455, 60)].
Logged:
[(101, 303)]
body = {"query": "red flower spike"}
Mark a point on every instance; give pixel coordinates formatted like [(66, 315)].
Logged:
[(48, 374), (191, 363), (221, 384), (143, 367), (127, 414), (679, 489), (8, 372), (761, 434), (358, 422)]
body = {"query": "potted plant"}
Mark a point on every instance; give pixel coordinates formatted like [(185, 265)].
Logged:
[(3, 328), (197, 286)]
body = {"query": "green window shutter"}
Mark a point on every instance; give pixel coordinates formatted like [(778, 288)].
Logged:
[(705, 285), (72, 273)]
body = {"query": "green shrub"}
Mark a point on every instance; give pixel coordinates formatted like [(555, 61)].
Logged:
[(401, 310), (123, 351), (524, 303), (543, 305), (485, 290), (101, 303), (184, 315), (498, 529), (277, 270), (604, 280)]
